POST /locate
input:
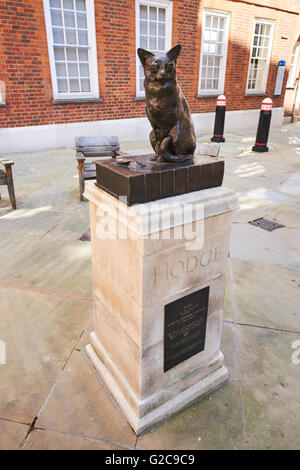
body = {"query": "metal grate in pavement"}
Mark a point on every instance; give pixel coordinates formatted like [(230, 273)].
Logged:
[(266, 224)]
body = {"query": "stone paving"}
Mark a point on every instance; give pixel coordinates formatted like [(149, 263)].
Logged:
[(50, 397)]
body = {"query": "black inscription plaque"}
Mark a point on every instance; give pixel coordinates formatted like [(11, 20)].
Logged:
[(185, 327)]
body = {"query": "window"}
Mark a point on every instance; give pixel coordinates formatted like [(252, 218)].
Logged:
[(2, 93), (153, 32), (294, 62), (72, 48), (215, 30), (260, 56)]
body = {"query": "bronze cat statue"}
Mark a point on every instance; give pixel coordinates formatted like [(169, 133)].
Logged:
[(173, 134)]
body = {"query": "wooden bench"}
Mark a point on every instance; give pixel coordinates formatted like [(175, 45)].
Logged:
[(6, 178), (94, 147)]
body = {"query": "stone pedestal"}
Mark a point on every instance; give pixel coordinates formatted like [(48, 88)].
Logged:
[(158, 282)]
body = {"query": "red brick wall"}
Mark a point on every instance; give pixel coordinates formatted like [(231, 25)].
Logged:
[(24, 62)]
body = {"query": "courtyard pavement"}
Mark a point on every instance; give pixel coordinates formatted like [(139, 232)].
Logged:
[(51, 398)]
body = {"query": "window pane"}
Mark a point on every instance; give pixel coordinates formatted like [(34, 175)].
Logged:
[(213, 36), (143, 27), (215, 84), (73, 70), (69, 19), (144, 42), (208, 21), (80, 5), (84, 70), (143, 12), (267, 30), (85, 85), (207, 35), (60, 69), (74, 85), (141, 85), (71, 53), (152, 44), (55, 3), (81, 20), (56, 18), (161, 44), (205, 48), (83, 54), (68, 4), (215, 22), (59, 53), (62, 85), (161, 29), (82, 37), (152, 28), (71, 36), (58, 36), (153, 13), (162, 14), (212, 48)]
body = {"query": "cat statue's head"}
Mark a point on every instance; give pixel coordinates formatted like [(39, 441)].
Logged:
[(159, 68)]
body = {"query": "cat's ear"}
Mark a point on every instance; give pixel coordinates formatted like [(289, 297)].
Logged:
[(174, 52), (143, 55)]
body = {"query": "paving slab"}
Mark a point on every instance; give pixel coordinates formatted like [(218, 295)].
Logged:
[(53, 266), (40, 332), (280, 246), (45, 440), (267, 295), (13, 247), (212, 423), (81, 405), (270, 384), (12, 434)]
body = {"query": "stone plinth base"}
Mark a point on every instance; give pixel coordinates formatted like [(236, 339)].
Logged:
[(158, 282)]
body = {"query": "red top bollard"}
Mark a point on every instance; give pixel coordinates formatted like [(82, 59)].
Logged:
[(219, 119), (263, 126)]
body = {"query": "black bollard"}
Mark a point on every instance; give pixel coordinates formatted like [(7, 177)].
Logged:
[(219, 119), (263, 126)]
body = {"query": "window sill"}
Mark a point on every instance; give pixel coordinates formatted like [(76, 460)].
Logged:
[(209, 96), (139, 98), (76, 100), (3, 104), (255, 94), (292, 87)]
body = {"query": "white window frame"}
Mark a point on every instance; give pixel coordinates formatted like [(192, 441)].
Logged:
[(292, 73), (168, 5), (92, 54), (226, 15), (255, 91)]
